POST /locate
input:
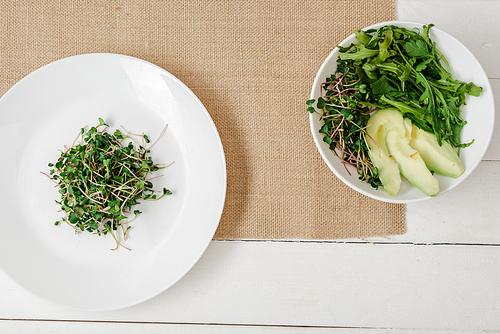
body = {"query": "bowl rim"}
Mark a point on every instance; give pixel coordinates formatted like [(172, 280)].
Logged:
[(317, 85)]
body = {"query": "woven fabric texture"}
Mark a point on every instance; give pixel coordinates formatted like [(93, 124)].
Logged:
[(252, 64)]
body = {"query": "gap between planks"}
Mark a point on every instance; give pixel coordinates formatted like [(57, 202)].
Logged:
[(362, 242), (214, 324)]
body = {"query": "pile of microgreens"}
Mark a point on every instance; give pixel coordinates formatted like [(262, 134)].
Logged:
[(344, 119), (102, 177)]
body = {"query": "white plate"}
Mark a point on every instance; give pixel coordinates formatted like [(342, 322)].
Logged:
[(479, 114), (45, 111)]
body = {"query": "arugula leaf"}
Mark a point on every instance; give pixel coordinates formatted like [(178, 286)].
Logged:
[(419, 123), (362, 36), (383, 48), (405, 108), (431, 107), (361, 53), (472, 89), (425, 34)]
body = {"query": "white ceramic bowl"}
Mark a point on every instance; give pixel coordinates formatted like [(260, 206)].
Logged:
[(479, 114)]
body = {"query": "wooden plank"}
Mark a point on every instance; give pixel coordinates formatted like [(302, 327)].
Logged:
[(55, 327), (400, 287), (466, 214), (314, 284), (474, 23), (493, 152)]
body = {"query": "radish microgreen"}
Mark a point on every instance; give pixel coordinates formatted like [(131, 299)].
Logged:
[(101, 178)]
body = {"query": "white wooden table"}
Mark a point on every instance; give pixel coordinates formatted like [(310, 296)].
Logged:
[(443, 275)]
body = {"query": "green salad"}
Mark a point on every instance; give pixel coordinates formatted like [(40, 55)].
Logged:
[(391, 68)]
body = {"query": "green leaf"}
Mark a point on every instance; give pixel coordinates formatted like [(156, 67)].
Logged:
[(425, 34), (341, 68), (423, 65), (384, 47), (310, 102), (431, 107), (79, 211), (324, 129), (418, 122), (347, 114), (465, 144), (101, 122), (417, 48), (361, 53), (382, 86), (321, 103), (363, 76), (404, 108), (362, 36), (473, 90), (118, 134), (369, 70), (114, 210)]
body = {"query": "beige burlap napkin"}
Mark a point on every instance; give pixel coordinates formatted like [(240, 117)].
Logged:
[(252, 64)]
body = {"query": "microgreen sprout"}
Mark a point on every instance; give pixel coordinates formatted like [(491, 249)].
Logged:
[(101, 178), (344, 117)]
